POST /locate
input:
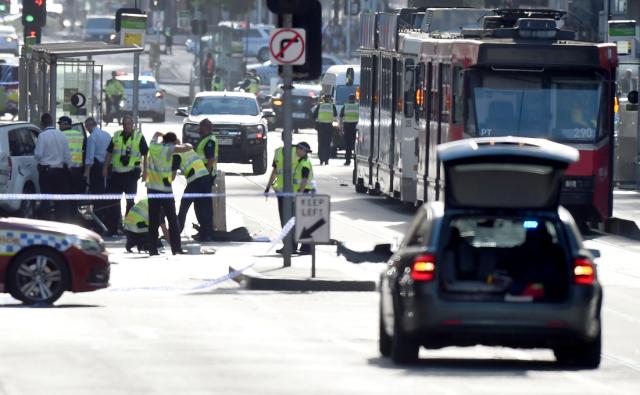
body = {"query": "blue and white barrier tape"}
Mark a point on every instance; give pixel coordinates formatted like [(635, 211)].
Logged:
[(213, 282), (115, 196)]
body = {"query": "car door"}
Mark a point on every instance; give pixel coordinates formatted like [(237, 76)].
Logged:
[(22, 145)]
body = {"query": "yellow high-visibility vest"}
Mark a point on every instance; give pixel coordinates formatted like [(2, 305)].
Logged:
[(192, 166), (351, 112), (278, 184), (200, 150), (75, 138), (325, 113), (297, 175), (130, 148), (159, 174), (138, 213)]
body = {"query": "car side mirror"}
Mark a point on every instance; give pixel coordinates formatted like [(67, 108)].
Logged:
[(595, 253), (182, 111), (268, 113), (633, 97)]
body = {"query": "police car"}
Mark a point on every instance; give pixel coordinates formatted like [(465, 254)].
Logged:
[(39, 260), (151, 101)]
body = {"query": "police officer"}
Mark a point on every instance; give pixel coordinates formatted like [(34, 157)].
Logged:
[(95, 155), (208, 69), (136, 227), (52, 156), (251, 83), (198, 181), (276, 180), (349, 115), (77, 144), (159, 177), (125, 154), (303, 181), (114, 91), (207, 147), (217, 84), (325, 113)]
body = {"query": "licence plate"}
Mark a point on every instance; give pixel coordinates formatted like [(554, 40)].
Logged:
[(225, 141), (299, 115)]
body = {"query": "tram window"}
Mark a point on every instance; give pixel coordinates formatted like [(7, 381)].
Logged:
[(409, 90), (446, 93), (434, 100), (457, 93)]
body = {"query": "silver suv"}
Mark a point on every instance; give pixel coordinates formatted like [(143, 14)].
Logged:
[(18, 170), (499, 262)]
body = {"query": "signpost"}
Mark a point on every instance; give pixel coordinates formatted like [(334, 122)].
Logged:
[(312, 222), (132, 32)]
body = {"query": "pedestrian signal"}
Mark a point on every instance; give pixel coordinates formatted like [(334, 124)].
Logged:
[(34, 13)]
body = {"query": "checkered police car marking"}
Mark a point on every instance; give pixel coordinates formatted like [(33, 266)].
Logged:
[(11, 242)]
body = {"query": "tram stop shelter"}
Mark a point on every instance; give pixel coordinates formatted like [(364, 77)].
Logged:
[(63, 79)]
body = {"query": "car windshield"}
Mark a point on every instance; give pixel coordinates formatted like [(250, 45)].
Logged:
[(101, 23), (225, 105), (536, 104), (142, 84), (343, 92)]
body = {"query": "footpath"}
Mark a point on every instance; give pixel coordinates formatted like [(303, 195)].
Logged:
[(626, 214)]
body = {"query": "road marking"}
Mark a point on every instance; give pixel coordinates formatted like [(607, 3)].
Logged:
[(622, 315), (630, 363)]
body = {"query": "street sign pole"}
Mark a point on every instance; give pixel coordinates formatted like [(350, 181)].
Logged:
[(136, 77), (348, 30), (287, 76)]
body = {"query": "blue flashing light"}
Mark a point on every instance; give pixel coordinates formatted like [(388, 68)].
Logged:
[(530, 224)]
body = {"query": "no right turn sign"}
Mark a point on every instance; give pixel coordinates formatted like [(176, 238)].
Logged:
[(287, 46)]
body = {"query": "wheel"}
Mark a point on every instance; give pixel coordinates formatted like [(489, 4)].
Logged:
[(360, 188), (263, 54), (384, 340), (296, 130), (38, 275), (586, 355), (259, 164), (404, 349), (27, 207)]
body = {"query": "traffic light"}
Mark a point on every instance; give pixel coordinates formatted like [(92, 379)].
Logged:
[(34, 33), (34, 13), (309, 18), (286, 6), (5, 6)]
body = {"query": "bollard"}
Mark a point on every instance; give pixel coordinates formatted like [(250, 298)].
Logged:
[(219, 204)]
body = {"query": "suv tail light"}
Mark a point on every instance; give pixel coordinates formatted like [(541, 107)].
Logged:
[(423, 268), (584, 271)]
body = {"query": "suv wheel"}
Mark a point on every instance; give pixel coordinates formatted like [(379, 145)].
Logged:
[(584, 355), (404, 349), (27, 207), (384, 340), (38, 275), (259, 163), (263, 54)]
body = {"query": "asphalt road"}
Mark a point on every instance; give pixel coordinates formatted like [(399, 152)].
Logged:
[(153, 332)]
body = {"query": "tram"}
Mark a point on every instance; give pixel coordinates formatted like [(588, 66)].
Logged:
[(516, 74)]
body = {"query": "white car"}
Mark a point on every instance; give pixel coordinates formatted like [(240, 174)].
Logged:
[(9, 40), (151, 101), (18, 169), (255, 39)]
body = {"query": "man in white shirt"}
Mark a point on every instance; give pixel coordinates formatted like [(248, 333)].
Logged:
[(53, 157)]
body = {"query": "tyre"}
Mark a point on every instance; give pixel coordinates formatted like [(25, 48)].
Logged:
[(27, 207), (360, 188), (259, 164), (38, 275), (384, 340), (586, 355), (263, 54), (404, 349)]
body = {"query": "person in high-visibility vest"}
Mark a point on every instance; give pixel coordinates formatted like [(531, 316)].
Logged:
[(136, 227), (276, 179), (122, 166), (325, 113), (303, 181), (159, 177), (207, 147), (198, 181), (77, 143), (114, 90), (217, 83), (349, 115)]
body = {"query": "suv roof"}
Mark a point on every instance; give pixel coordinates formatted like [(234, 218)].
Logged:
[(226, 94)]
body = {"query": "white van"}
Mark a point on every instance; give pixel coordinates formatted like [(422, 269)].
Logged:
[(334, 83)]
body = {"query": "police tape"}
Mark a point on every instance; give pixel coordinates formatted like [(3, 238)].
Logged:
[(115, 196), (207, 284)]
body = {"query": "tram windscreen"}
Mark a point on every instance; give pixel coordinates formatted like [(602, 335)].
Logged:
[(560, 107)]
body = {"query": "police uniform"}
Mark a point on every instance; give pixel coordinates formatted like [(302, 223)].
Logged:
[(218, 83), (350, 113), (325, 114), (114, 92), (159, 178), (126, 157), (136, 225), (77, 143), (198, 181), (278, 184)]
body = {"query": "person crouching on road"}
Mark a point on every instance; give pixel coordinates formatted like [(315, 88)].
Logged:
[(325, 113), (198, 181), (77, 145), (303, 179), (159, 178), (136, 227)]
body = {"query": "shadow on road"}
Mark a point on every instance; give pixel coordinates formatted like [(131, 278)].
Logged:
[(47, 306), (469, 367)]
